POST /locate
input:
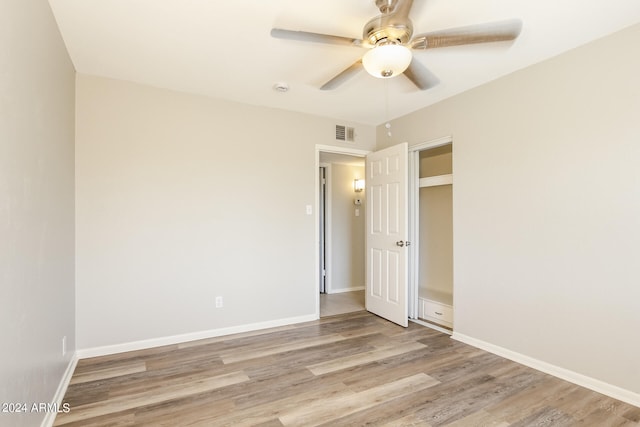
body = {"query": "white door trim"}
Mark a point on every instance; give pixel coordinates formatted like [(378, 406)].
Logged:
[(339, 150), (328, 253), (320, 148), (431, 144)]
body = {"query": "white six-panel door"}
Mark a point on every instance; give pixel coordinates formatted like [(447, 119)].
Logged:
[(387, 231)]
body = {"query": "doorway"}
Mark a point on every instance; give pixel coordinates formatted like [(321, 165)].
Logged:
[(340, 231), (414, 185)]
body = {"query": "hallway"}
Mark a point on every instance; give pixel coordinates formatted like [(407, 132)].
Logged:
[(340, 303)]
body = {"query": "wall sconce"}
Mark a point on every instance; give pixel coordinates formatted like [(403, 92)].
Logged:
[(358, 185)]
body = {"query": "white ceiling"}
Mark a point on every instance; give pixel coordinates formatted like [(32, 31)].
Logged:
[(224, 50)]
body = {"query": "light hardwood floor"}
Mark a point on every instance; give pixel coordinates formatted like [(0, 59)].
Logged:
[(346, 370), (341, 303)]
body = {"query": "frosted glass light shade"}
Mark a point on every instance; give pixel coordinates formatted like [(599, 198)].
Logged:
[(387, 60)]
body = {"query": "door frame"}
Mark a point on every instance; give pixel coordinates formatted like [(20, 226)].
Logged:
[(327, 227), (414, 218), (320, 148), (414, 192)]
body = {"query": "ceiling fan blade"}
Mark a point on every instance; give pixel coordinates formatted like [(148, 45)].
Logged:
[(343, 76), (305, 36), (482, 33), (421, 76)]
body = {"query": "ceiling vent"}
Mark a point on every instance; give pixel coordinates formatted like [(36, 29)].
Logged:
[(344, 133)]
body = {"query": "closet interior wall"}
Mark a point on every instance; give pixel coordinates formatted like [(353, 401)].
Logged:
[(435, 271)]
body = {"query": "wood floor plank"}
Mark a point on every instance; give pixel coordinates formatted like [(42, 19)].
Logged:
[(525, 402), (369, 375), (257, 368), (479, 418), (410, 420), (631, 413), (279, 387), (401, 408), (581, 402), (603, 418), (546, 416), (133, 400), (477, 392), (191, 410), (114, 371), (331, 409), (272, 410), (345, 370), (236, 356), (362, 358)]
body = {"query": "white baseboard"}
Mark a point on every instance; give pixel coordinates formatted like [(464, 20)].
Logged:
[(341, 290), (562, 373), (192, 336), (50, 417)]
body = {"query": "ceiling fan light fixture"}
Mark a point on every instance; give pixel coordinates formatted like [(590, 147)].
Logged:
[(388, 60)]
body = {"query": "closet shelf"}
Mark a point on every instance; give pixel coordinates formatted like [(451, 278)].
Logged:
[(434, 181), (437, 295)]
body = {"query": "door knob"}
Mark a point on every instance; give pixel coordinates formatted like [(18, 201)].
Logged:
[(400, 243)]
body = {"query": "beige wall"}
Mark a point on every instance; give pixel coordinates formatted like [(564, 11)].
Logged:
[(436, 161), (182, 198), (347, 230), (435, 271), (36, 207), (546, 208)]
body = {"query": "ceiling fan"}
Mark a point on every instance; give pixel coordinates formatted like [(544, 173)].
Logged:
[(389, 40)]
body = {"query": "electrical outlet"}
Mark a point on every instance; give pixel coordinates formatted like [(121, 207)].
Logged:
[(219, 302), (64, 345)]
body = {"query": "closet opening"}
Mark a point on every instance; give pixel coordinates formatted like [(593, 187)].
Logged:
[(431, 296)]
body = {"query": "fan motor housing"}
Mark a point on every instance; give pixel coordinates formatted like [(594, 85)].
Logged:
[(388, 27)]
